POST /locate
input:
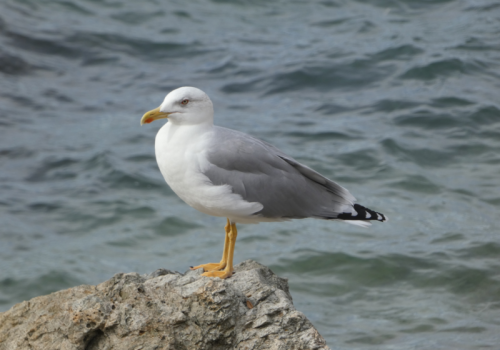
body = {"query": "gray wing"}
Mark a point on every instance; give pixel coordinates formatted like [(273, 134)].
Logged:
[(260, 172)]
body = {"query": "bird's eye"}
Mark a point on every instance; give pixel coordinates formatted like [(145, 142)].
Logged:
[(184, 102)]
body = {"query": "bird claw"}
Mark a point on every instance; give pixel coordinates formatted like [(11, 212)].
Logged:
[(209, 267)]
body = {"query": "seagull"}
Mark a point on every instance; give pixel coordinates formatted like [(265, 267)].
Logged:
[(226, 173)]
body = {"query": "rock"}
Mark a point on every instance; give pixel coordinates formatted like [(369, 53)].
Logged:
[(165, 310)]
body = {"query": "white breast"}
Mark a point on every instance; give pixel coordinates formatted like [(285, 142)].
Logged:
[(181, 157)]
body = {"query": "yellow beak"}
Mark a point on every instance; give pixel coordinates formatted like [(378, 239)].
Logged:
[(153, 115)]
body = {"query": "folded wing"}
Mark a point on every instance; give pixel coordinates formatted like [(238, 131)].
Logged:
[(259, 172)]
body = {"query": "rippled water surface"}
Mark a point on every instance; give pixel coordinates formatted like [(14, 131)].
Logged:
[(396, 100)]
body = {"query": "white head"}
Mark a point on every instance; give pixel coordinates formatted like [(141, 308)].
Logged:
[(184, 106)]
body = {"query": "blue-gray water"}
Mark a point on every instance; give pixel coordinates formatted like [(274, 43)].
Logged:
[(397, 100)]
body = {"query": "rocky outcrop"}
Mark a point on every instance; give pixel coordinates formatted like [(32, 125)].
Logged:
[(165, 310)]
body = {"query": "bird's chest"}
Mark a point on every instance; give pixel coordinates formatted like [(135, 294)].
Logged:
[(181, 162)]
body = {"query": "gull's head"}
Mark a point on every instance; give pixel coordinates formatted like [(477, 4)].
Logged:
[(185, 105)]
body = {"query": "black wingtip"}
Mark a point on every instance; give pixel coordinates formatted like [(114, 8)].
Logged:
[(363, 213)]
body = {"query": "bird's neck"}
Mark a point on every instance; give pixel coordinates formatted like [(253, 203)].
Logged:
[(172, 131)]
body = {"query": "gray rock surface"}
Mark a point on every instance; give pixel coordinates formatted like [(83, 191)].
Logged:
[(165, 310)]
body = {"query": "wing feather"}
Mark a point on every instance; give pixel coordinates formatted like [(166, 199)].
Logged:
[(260, 172)]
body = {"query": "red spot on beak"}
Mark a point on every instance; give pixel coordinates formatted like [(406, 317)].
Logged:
[(149, 120)]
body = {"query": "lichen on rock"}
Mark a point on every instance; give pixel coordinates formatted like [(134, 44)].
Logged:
[(164, 311)]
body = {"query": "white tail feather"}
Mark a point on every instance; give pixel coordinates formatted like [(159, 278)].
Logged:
[(364, 224)]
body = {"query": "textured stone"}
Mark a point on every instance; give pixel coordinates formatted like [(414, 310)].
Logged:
[(164, 310)]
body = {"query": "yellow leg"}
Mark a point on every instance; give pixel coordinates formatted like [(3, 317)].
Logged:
[(223, 262), (228, 270)]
